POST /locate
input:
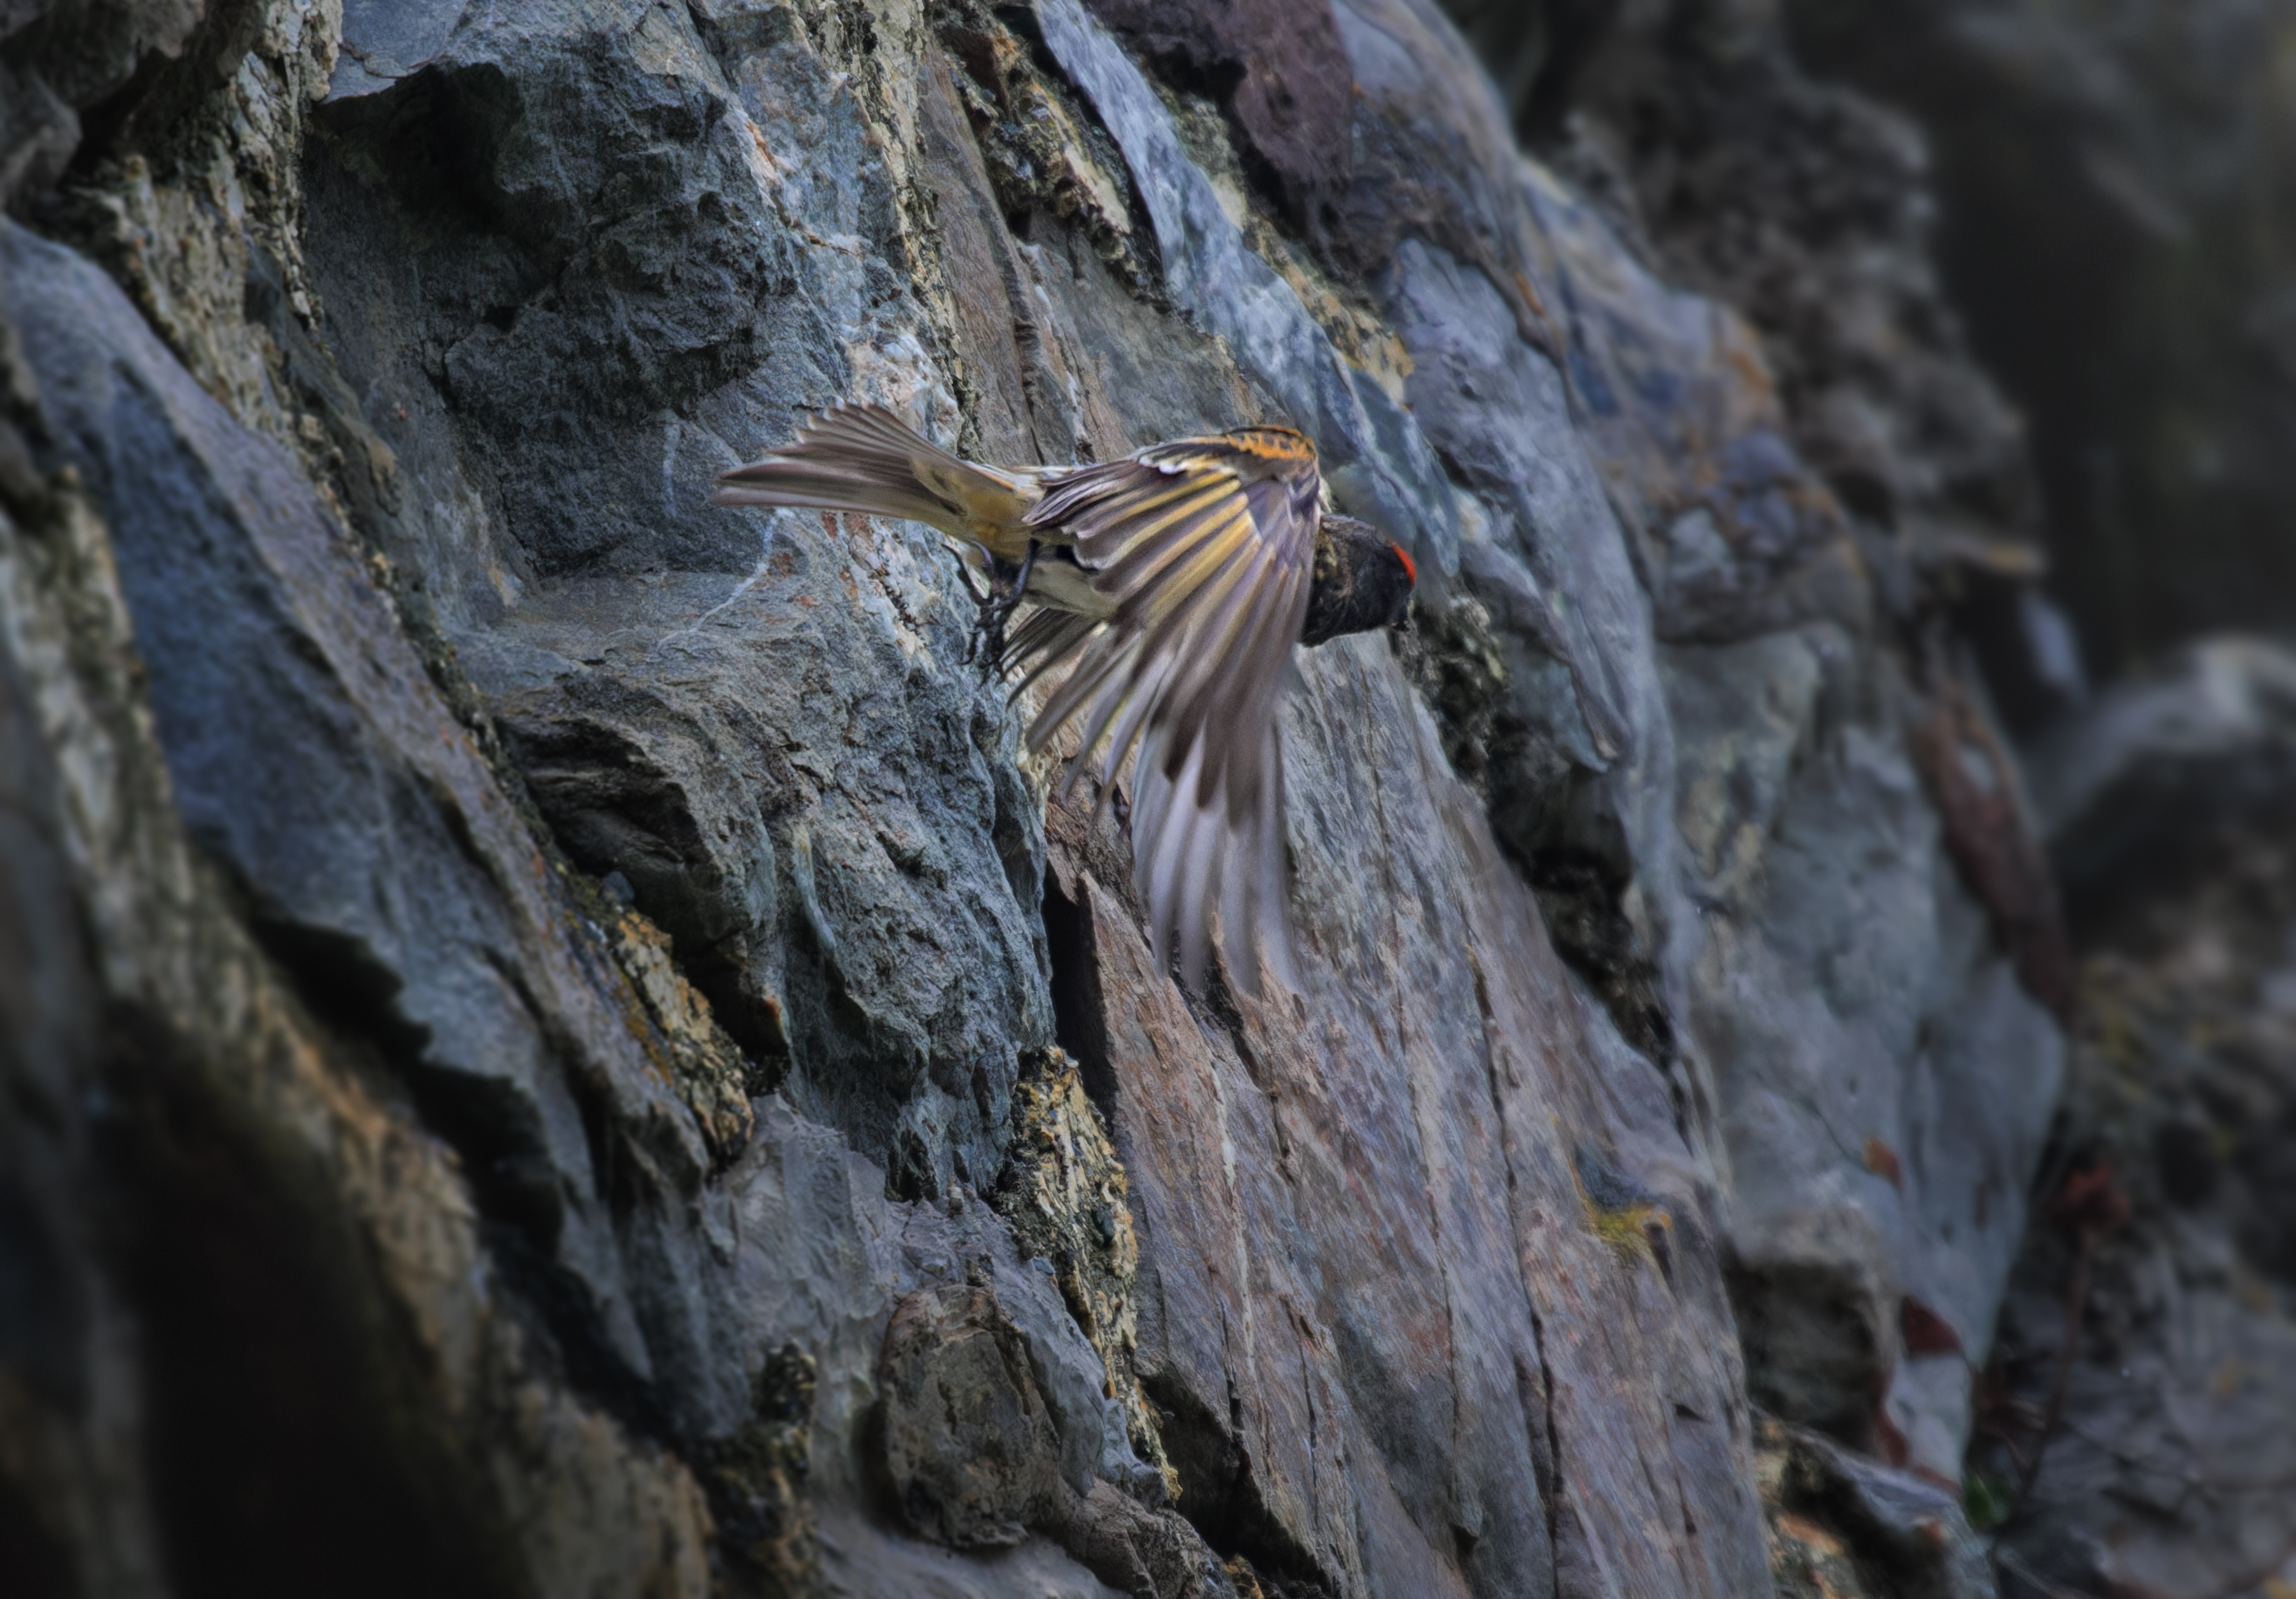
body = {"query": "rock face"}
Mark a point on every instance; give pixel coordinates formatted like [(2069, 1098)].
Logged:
[(2114, 183), (2143, 1379), (553, 1041)]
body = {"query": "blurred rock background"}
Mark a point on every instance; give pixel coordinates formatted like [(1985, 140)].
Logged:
[(553, 1046)]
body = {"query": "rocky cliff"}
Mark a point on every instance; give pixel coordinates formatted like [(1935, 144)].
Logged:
[(555, 1044)]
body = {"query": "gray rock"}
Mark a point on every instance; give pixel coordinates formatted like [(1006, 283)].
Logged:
[(1886, 990), (1377, 456), (1418, 1280), (79, 57), (1733, 533), (1911, 1534), (310, 752), (2167, 1459), (73, 1480), (969, 1444), (1496, 408), (220, 1134), (384, 41), (1861, 1028), (2204, 739)]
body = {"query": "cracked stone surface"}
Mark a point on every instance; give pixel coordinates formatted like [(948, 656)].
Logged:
[(582, 983)]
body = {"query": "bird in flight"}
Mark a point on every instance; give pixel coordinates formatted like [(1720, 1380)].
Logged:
[(1172, 584)]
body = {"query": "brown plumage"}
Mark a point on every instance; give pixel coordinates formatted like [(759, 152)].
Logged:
[(1173, 585)]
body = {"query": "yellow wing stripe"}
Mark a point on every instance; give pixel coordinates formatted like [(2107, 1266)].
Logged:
[(1167, 575), (1181, 483), (1135, 532), (1180, 588), (1207, 574)]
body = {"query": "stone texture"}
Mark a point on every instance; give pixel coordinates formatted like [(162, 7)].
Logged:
[(1846, 1525), (57, 61), (1293, 90), (753, 1145), (2136, 1403), (1375, 456), (309, 753), (1447, 1404), (2109, 182), (1832, 1077), (2200, 741), (290, 1270)]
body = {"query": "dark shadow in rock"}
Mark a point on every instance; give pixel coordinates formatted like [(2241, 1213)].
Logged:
[(910, 1176), (44, 1318), (38, 1564), (1581, 895), (289, 1446), (1079, 1025), (1218, 1495), (1899, 1535), (1014, 831), (614, 808), (492, 1129), (1534, 53), (345, 986), (1815, 1350)]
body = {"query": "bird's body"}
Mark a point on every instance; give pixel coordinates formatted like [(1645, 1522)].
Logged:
[(1176, 581)]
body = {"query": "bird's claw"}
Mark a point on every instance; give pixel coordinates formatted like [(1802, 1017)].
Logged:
[(995, 604), (984, 601)]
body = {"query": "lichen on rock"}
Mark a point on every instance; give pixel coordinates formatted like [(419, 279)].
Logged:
[(757, 1478), (713, 1076), (1041, 154), (1064, 1191)]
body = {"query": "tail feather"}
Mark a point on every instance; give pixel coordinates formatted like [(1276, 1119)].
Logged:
[(860, 458)]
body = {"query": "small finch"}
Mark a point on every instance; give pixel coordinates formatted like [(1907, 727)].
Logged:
[(1173, 584)]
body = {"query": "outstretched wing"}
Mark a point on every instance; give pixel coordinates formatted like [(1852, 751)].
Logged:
[(1204, 548)]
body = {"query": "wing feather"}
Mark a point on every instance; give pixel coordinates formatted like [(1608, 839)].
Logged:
[(1158, 545), (1140, 646), (1204, 550), (1069, 496)]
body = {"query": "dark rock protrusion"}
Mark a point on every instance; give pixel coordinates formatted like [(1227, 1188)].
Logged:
[(757, 1481), (969, 1443), (1820, 1327), (1849, 1527), (974, 1457), (312, 755), (2133, 790)]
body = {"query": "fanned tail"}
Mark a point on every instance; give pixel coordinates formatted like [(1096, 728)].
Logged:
[(863, 458)]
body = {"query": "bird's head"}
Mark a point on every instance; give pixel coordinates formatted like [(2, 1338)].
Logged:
[(1363, 579), (1401, 583)]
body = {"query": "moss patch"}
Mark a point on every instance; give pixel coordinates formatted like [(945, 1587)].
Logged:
[(1065, 1191)]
